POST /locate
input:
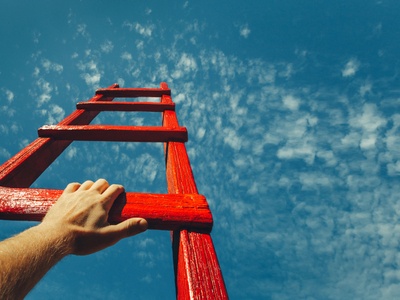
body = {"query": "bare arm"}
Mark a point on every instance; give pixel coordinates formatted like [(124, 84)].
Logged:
[(76, 224)]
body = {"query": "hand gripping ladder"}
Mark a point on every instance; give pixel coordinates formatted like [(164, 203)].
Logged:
[(183, 210)]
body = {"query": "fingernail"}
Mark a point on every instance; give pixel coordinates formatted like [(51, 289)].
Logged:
[(143, 225)]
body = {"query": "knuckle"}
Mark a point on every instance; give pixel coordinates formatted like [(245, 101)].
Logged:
[(102, 181)]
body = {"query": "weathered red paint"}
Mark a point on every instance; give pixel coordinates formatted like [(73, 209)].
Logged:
[(114, 133), (197, 271), (162, 211), (183, 210), (126, 106)]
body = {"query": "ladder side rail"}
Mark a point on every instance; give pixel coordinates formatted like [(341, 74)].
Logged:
[(26, 166), (197, 271), (198, 274)]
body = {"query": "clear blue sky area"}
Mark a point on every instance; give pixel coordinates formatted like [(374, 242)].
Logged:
[(292, 109)]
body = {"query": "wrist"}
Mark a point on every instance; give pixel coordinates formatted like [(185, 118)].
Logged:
[(58, 239)]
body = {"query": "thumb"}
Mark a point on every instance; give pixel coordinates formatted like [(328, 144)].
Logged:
[(125, 229), (134, 226), (128, 227), (110, 235)]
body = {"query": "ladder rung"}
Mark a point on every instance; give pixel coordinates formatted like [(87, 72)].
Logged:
[(126, 106), (133, 92), (114, 133), (162, 211)]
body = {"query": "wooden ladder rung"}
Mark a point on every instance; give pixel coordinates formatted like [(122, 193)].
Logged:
[(133, 92), (114, 133), (162, 211), (126, 106)]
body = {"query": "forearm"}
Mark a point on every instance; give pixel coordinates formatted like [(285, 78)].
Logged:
[(76, 224), (25, 259)]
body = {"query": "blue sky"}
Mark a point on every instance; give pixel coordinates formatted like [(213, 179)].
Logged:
[(292, 109)]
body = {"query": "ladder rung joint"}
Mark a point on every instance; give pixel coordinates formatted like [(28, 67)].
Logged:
[(114, 133)]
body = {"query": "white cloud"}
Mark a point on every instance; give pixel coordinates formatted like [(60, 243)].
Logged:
[(9, 95), (90, 73), (143, 30), (291, 102), (179, 98), (370, 120), (92, 79), (245, 31), (350, 68), (232, 139), (367, 123), (139, 45), (82, 30), (368, 142), (107, 46), (328, 156), (312, 181), (52, 66), (365, 89), (126, 56), (45, 89), (4, 153), (298, 151), (187, 63), (71, 152), (200, 133), (36, 72), (54, 114), (393, 169)]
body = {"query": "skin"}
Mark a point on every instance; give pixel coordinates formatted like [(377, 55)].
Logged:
[(76, 224)]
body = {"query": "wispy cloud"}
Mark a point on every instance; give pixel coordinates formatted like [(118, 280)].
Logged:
[(350, 68), (290, 102), (9, 95), (126, 56), (51, 66), (53, 114), (185, 65), (144, 30), (107, 46), (245, 31), (90, 73), (45, 91)]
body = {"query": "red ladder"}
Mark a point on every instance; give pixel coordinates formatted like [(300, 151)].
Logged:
[(183, 210)]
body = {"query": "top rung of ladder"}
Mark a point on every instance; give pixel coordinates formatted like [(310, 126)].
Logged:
[(133, 92)]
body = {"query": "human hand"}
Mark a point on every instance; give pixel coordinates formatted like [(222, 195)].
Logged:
[(80, 217)]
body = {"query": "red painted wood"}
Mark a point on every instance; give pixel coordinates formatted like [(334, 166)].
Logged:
[(133, 92), (114, 133), (197, 271), (26, 166), (125, 106), (162, 211)]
